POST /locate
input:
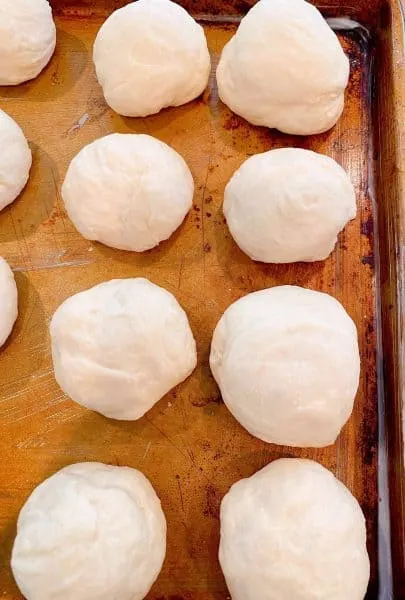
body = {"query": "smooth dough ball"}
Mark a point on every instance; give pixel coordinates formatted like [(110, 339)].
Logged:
[(120, 346), (284, 68), (8, 301), (128, 191), (27, 39), (149, 55), (15, 159), (90, 532), (288, 205), (293, 531), (286, 360)]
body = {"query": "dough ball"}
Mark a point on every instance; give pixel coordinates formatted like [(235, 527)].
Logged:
[(8, 302), (90, 532), (149, 55), (27, 39), (284, 68), (120, 346), (128, 191), (15, 158), (288, 205), (287, 362), (293, 531)]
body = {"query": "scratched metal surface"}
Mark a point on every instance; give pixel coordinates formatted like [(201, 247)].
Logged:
[(188, 445)]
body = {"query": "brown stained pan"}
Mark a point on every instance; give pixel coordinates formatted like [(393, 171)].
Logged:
[(189, 445)]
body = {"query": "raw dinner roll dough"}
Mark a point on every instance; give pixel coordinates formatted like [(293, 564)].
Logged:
[(293, 531), (287, 362), (149, 55), (90, 532), (284, 68), (27, 39), (8, 301), (288, 205), (120, 346), (15, 158), (128, 191)]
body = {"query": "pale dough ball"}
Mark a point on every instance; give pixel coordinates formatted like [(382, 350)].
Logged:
[(284, 68), (286, 360), (90, 532), (128, 191), (120, 346), (149, 55), (293, 531), (27, 39), (15, 159), (8, 301), (288, 205)]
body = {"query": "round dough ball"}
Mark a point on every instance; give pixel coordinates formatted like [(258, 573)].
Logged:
[(27, 39), (149, 55), (284, 68), (287, 362), (128, 191), (288, 205), (120, 346), (293, 531), (90, 532), (15, 159), (8, 302)]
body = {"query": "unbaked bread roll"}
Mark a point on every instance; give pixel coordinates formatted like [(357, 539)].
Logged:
[(288, 205), (27, 39), (8, 301), (286, 360), (15, 160), (128, 191), (120, 346), (149, 55), (90, 532), (293, 531), (284, 68)]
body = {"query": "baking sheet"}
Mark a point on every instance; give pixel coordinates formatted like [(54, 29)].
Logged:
[(189, 445)]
